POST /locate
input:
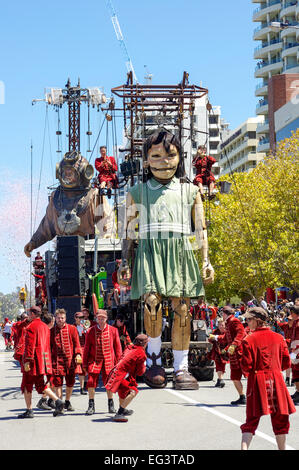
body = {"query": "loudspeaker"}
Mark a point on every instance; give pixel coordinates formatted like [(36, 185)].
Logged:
[(51, 275), (71, 305), (71, 273), (110, 268)]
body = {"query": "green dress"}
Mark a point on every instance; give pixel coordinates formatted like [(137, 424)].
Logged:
[(164, 261)]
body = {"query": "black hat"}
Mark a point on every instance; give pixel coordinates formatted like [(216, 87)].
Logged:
[(257, 312), (228, 310)]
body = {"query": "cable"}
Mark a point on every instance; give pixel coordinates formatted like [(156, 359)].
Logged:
[(41, 165), (96, 140)]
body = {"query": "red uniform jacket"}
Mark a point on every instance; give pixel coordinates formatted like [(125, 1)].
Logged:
[(264, 355), (234, 334), (294, 346), (132, 364), (215, 353), (65, 345), (115, 281), (287, 331), (106, 172), (124, 336), (19, 338), (203, 169), (37, 348), (102, 349)]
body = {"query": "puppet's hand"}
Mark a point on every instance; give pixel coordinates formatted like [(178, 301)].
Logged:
[(27, 249), (207, 273)]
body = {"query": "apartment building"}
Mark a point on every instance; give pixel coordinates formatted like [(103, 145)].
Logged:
[(277, 53), (238, 153)]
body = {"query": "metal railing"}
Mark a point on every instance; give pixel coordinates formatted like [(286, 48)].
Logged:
[(289, 45), (266, 5), (265, 63), (262, 103)]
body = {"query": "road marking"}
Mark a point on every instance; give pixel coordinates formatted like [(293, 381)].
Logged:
[(223, 416)]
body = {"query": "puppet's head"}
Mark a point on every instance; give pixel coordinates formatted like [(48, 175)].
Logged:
[(74, 171), (162, 156), (201, 151)]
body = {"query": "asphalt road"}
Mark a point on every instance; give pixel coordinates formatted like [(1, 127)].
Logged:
[(162, 419)]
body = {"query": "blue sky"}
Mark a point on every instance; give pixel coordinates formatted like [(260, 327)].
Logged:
[(44, 43)]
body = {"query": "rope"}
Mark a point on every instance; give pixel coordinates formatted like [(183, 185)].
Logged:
[(99, 133), (41, 165)]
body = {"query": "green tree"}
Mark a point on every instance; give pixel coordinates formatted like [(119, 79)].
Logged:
[(253, 236)]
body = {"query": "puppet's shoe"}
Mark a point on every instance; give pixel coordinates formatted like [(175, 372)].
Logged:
[(183, 380), (155, 377)]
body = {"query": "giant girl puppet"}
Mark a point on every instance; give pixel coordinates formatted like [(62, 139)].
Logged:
[(165, 266)]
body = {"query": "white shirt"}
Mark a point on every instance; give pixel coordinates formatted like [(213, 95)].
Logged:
[(7, 327)]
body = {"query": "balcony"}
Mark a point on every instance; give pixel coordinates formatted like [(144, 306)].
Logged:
[(291, 68), (242, 160), (290, 30), (263, 145), (264, 67), (263, 127), (262, 107), (290, 49), (273, 46), (270, 7), (289, 8), (262, 31), (261, 89)]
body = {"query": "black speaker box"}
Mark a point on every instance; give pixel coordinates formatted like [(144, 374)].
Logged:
[(110, 268), (71, 305), (69, 241), (71, 273)]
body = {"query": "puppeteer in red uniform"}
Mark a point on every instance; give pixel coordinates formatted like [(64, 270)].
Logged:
[(102, 351), (231, 342), (264, 355), (107, 168), (204, 176), (65, 347), (37, 354), (122, 378), (218, 355), (19, 337)]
